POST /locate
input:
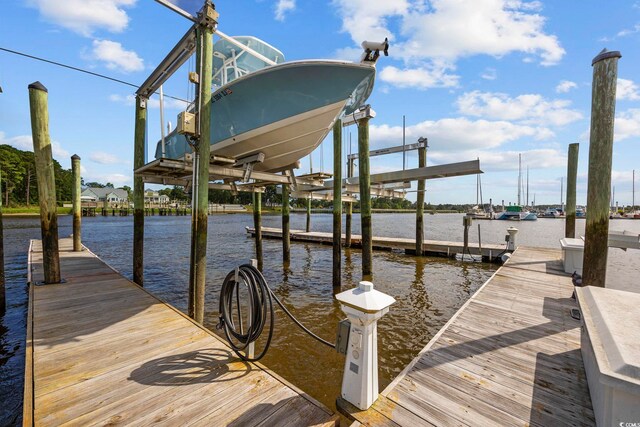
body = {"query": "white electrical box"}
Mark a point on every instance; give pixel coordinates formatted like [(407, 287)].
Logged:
[(186, 123)]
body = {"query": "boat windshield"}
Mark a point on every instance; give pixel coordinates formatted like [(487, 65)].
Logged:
[(231, 62)]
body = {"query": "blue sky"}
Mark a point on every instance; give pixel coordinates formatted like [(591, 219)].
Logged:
[(478, 78)]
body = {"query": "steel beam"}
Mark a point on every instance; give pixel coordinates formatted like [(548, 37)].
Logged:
[(391, 150)]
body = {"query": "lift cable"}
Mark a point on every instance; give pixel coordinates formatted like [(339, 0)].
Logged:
[(82, 71)]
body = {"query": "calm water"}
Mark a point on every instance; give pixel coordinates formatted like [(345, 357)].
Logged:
[(428, 290)]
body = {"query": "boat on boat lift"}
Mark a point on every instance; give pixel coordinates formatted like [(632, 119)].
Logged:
[(276, 111)]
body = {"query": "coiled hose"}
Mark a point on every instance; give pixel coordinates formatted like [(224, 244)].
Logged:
[(260, 310)]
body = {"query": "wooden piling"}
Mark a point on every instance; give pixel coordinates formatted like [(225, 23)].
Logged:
[(257, 223), (2, 279), (422, 162), (38, 100), (349, 213), (337, 203), (572, 177), (365, 196), (286, 228), (603, 94), (76, 201), (138, 190), (200, 217)]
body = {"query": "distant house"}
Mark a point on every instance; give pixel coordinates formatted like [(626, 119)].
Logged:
[(154, 198), (111, 196)]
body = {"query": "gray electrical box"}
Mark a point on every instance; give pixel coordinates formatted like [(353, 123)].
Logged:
[(342, 337)]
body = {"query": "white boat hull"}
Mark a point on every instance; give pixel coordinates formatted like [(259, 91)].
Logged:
[(284, 142)]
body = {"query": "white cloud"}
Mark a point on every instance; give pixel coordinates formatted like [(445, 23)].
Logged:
[(628, 90), (104, 158), (458, 134), (117, 179), (437, 33), (452, 29), (489, 74), (505, 160), (85, 16), (116, 57), (367, 19), (627, 124), (565, 86), (169, 103), (283, 7), (348, 54), (427, 76), (528, 108), (25, 143), (629, 31)]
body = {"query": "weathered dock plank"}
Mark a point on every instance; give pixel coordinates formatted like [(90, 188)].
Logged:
[(102, 350), (429, 247), (510, 356)]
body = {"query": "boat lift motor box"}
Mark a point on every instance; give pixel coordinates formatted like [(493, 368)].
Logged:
[(186, 123), (572, 254)]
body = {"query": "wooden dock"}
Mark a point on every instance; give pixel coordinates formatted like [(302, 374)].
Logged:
[(430, 247), (510, 356), (101, 350)]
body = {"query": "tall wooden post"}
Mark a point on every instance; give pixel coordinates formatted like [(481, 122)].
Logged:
[(572, 177), (3, 303), (308, 227), (138, 190), (200, 214), (349, 213), (38, 100), (337, 203), (365, 196), (257, 225), (422, 162), (286, 229), (603, 105), (77, 206)]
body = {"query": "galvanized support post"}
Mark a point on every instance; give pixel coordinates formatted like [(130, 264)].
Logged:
[(337, 203), (38, 100), (605, 74), (138, 190), (76, 201), (347, 232), (572, 177), (257, 225), (200, 214), (422, 162), (308, 227), (286, 230), (365, 196)]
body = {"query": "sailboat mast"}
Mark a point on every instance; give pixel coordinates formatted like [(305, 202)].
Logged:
[(527, 185), (633, 191), (519, 176)]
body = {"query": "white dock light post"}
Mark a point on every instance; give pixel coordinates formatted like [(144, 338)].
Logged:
[(363, 306), (512, 238)]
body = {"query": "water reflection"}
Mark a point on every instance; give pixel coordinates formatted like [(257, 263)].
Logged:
[(428, 290)]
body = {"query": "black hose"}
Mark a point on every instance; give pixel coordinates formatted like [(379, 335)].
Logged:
[(260, 308)]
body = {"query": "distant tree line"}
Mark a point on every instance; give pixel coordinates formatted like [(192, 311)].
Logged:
[(19, 183)]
